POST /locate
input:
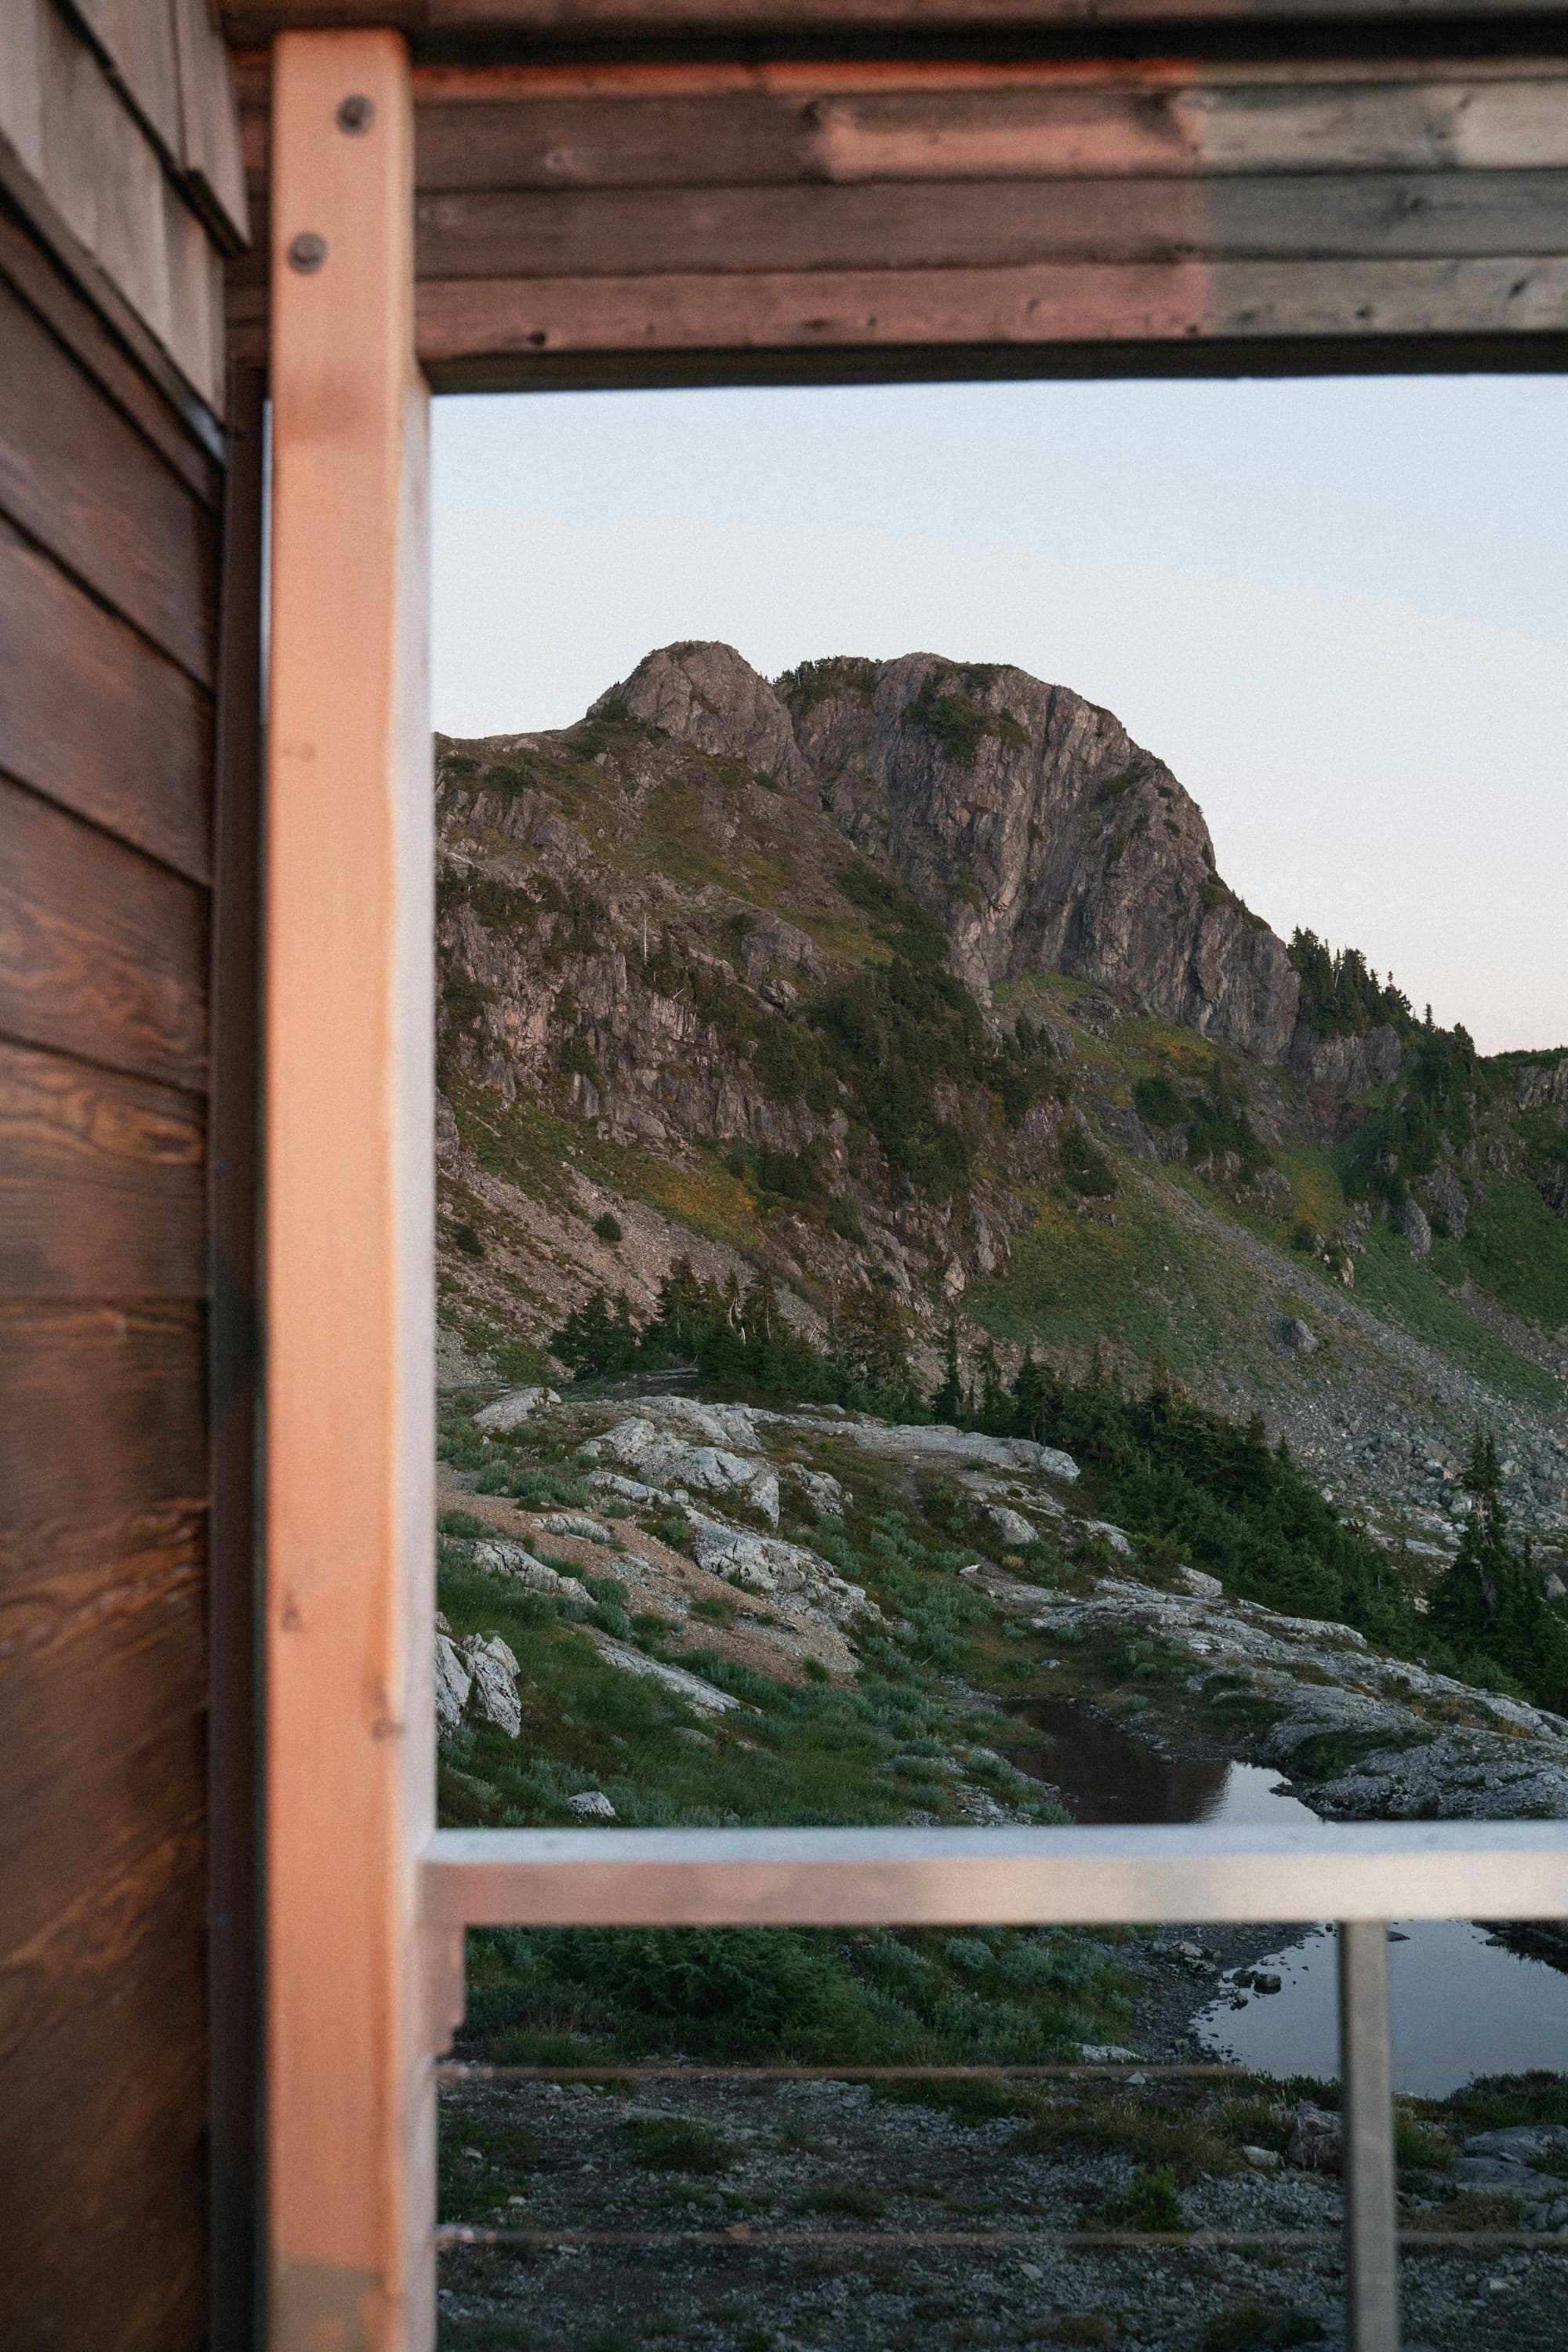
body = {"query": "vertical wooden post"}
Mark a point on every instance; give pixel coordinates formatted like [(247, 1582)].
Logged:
[(348, 1220)]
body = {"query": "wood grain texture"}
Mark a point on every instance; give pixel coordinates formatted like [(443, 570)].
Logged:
[(79, 479), (110, 1853), (117, 1385), (70, 129), (210, 125), (349, 1741), (976, 226), (101, 2177), (1062, 303), (546, 131), (101, 1183), (102, 953), (96, 719), (26, 267)]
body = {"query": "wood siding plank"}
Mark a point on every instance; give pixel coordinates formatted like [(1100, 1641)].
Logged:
[(81, 480), (102, 953), (94, 718), (74, 323), (978, 225), (119, 1385), (100, 2176), (997, 127), (1052, 304), (101, 1183)]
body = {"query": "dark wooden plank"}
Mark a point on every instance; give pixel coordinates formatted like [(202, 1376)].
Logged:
[(100, 1184), (233, 1764), (104, 1862), (1102, 304), (27, 267), (970, 226), (248, 22), (102, 953), (723, 128), (100, 2160), (1038, 307), (80, 480), (94, 718), (119, 1387)]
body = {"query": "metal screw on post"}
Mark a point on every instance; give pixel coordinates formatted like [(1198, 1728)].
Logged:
[(307, 252), (356, 114), (1366, 2079)]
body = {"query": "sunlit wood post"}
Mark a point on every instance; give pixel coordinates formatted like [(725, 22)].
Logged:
[(348, 1218)]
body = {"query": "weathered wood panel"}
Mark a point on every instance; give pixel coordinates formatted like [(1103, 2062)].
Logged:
[(82, 329), (100, 1184), (93, 718), (739, 127), (996, 225), (1065, 304), (111, 480), (93, 121), (1160, 212), (101, 2161), (85, 484), (103, 953)]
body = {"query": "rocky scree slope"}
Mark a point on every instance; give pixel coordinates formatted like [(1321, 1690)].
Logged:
[(921, 974)]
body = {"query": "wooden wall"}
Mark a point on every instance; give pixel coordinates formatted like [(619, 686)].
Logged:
[(111, 491), (688, 219)]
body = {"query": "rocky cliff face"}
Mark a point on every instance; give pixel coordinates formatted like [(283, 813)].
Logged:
[(1024, 817), (693, 1004)]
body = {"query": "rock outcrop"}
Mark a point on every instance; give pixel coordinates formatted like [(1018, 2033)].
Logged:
[(1025, 818)]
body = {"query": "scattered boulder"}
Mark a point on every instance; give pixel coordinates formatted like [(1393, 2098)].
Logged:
[(706, 1697), (1012, 1527), (453, 1683), (591, 1805), (494, 1671), (510, 1411), (502, 1558), (1262, 2160), (1414, 1226), (674, 1465), (1199, 1582), (768, 1564), (821, 1491), (1297, 1339), (1315, 2137)]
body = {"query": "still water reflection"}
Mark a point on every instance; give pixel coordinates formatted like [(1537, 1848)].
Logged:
[(1463, 2002)]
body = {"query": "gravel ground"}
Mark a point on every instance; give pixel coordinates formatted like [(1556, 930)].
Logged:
[(833, 2160)]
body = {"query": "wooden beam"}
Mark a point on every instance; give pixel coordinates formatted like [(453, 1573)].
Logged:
[(1154, 215), (348, 1221), (474, 21)]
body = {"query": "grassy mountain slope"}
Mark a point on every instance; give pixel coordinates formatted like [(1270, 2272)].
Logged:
[(726, 1003)]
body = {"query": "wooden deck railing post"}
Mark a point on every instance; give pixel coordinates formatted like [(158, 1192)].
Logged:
[(348, 1222)]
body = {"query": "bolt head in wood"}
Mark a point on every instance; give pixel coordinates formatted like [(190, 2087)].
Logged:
[(356, 114), (307, 253)]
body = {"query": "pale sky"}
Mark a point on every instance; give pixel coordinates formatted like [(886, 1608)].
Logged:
[(1338, 610)]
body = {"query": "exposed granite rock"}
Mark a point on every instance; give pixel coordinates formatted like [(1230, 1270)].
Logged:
[(709, 695), (669, 1462), (1414, 1226), (510, 1411), (1346, 1065), (768, 1564), (1044, 837), (494, 1697)]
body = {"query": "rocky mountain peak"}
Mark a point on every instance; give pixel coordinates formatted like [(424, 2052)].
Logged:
[(707, 694), (1025, 818)]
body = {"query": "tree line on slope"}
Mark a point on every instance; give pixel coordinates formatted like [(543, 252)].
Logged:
[(1187, 1483)]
